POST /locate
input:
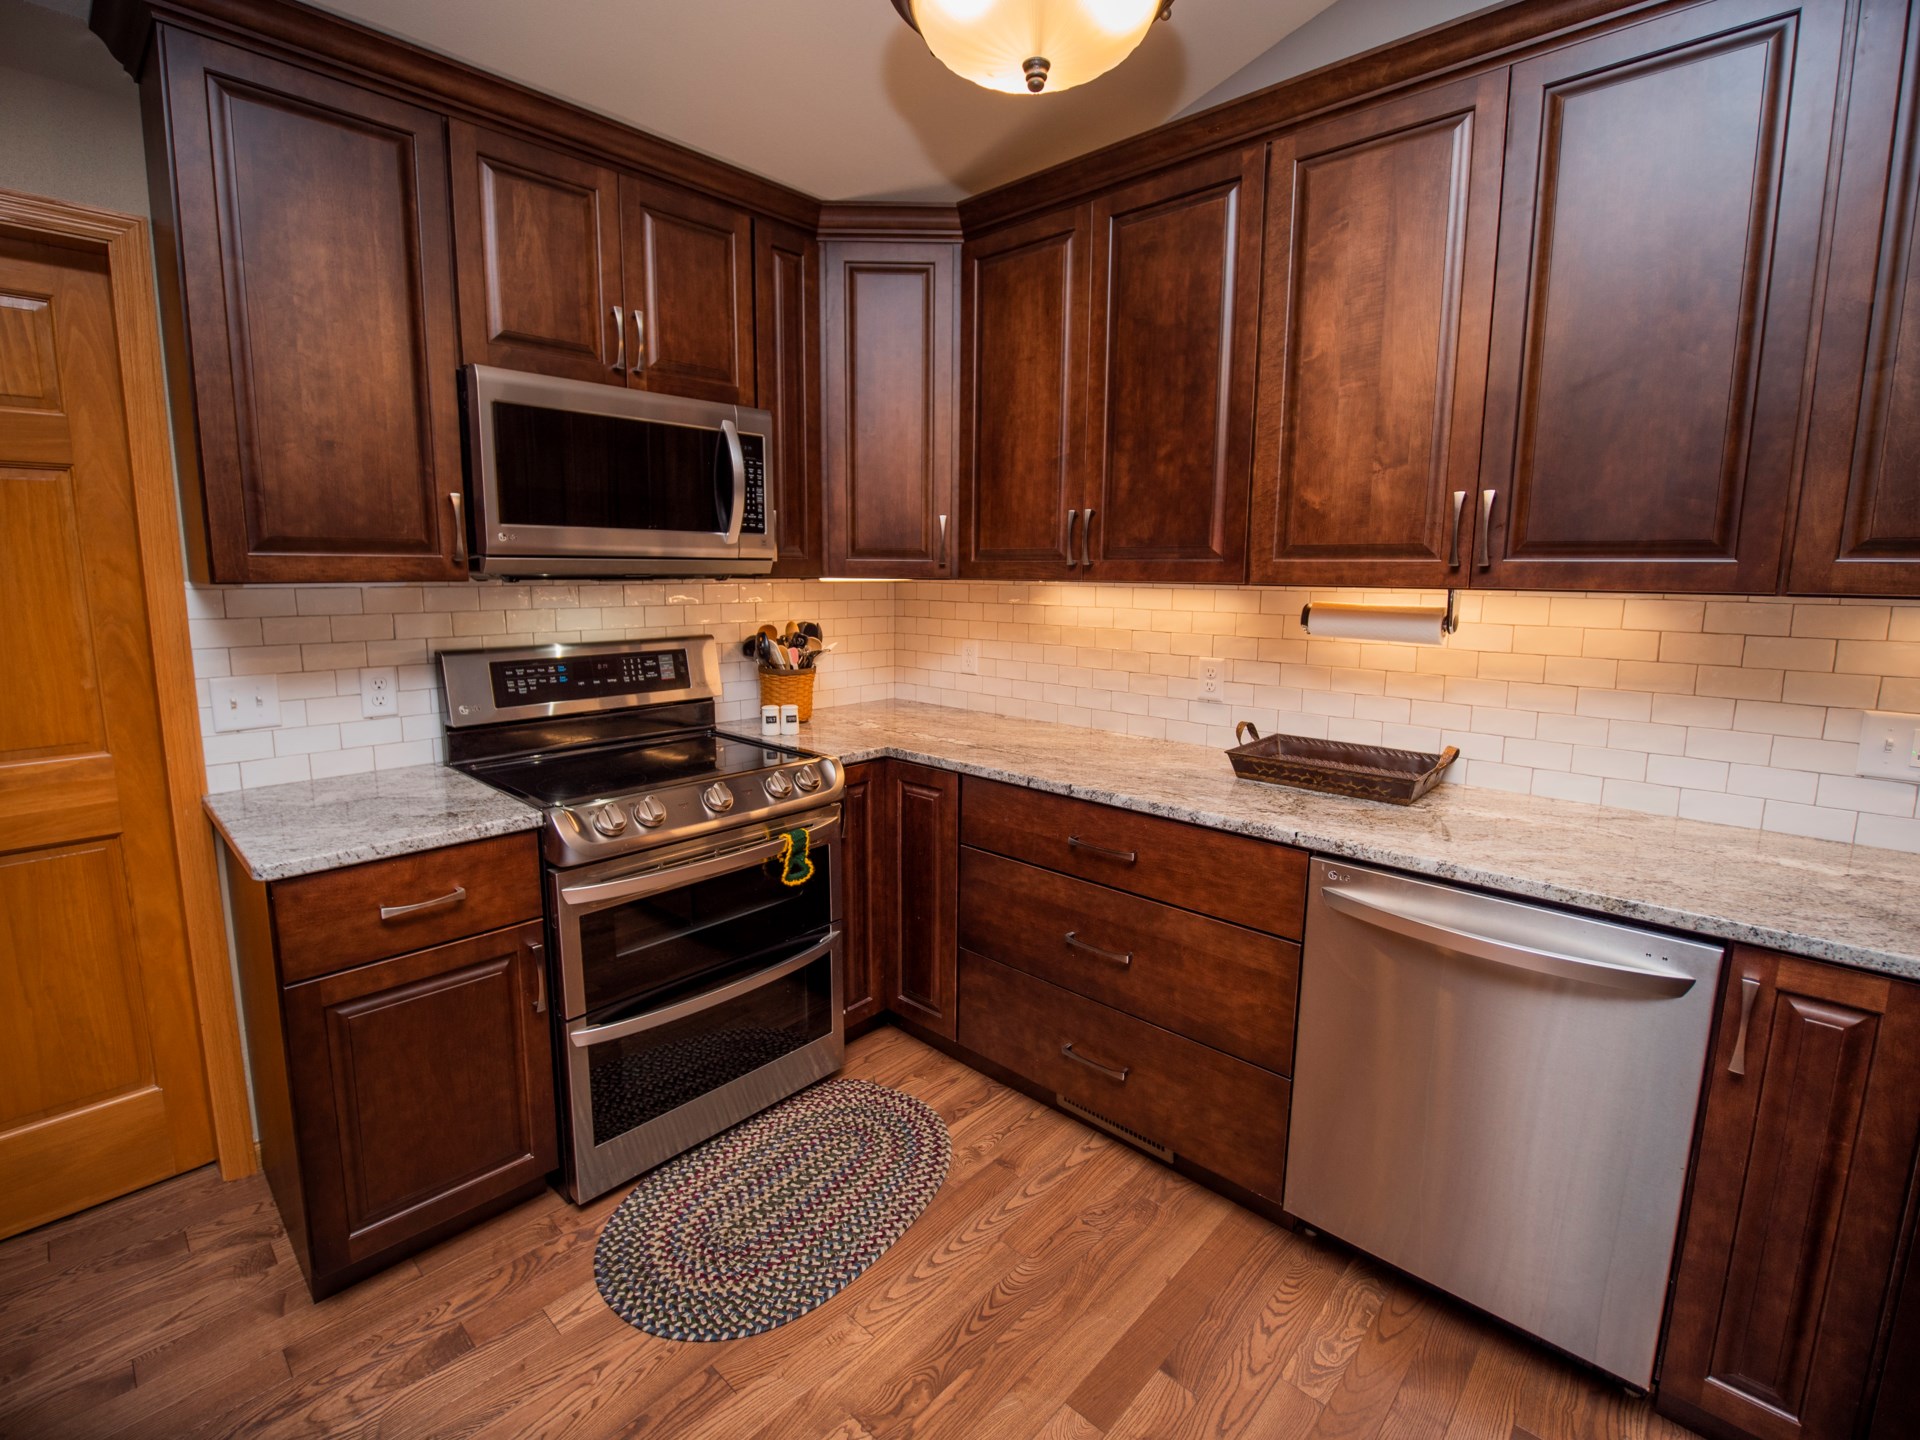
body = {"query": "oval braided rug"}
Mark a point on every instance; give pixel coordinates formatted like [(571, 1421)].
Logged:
[(773, 1218)]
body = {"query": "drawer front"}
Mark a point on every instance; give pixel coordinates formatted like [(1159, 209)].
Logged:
[(332, 921), (1223, 985), (1249, 882), (1219, 1112)]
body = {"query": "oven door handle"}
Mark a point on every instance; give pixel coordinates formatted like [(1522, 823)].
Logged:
[(672, 877), (739, 459), (706, 999)]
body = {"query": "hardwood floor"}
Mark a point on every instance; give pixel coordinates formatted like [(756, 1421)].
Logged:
[(1059, 1286)]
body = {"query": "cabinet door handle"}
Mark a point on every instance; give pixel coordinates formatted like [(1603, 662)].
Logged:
[(1125, 857), (1749, 992), (1119, 1077), (459, 504), (400, 912), (943, 542), (1453, 546), (639, 342), (1483, 541), (1073, 518), (538, 951), (619, 339), (1086, 537), (1122, 958)]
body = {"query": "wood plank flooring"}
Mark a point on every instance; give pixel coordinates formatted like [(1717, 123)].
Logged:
[(1060, 1286)]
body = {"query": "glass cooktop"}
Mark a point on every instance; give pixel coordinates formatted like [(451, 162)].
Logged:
[(570, 776)]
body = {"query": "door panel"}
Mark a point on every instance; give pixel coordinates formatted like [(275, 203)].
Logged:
[(689, 286), (923, 816), (865, 851), (787, 354), (1379, 265)]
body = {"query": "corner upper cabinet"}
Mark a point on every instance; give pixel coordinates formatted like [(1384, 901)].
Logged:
[(688, 264), (1373, 333), (307, 275), (786, 297), (1659, 229), (890, 345)]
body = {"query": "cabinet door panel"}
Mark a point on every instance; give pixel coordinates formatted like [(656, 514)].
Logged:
[(1379, 283), (689, 286), (312, 233), (787, 357), (864, 851), (1023, 396), (1658, 231), (923, 816), (537, 236), (1176, 292)]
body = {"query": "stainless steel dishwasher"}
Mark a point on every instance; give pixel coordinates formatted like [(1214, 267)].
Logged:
[(1499, 1098)]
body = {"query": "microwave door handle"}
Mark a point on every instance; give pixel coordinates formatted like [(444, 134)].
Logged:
[(705, 1000), (739, 459)]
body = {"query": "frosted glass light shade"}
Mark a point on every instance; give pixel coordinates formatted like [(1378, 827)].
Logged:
[(992, 42)]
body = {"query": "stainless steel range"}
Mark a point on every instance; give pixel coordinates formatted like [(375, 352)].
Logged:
[(697, 961)]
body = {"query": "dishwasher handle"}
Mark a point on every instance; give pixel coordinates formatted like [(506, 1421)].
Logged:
[(1638, 980)]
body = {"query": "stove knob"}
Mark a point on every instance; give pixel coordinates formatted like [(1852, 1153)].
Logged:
[(650, 812), (807, 778), (717, 797), (609, 820), (779, 787)]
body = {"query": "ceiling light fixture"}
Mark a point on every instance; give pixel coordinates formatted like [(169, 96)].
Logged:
[(1027, 46)]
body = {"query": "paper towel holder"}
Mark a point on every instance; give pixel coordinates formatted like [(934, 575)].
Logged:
[(1449, 622)]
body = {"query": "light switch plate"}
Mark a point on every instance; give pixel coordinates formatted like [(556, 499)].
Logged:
[(1890, 746), (245, 702)]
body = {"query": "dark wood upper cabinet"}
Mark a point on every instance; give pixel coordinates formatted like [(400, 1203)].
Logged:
[(890, 347), (311, 310), (1373, 337), (1859, 514), (1659, 229), (1023, 396), (688, 265), (1175, 308), (920, 866), (786, 297), (1806, 1158), (537, 240)]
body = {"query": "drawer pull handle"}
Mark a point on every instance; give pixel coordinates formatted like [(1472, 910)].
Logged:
[(1125, 857), (400, 912), (1749, 992), (1122, 958), (1119, 1076)]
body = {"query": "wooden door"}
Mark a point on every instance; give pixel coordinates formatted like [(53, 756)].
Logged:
[(786, 298), (1859, 510), (1373, 337), (889, 389), (422, 1090), (923, 876), (536, 236), (863, 851), (689, 292), (1175, 311), (1805, 1160), (311, 232), (101, 1081), (1658, 232), (1023, 398)]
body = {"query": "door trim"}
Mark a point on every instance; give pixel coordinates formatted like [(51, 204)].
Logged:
[(124, 241)]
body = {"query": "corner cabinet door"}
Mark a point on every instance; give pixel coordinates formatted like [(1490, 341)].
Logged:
[(889, 386), (1175, 310), (786, 297), (311, 230), (1659, 231), (688, 267), (1023, 399), (864, 889), (537, 239), (1373, 333), (922, 866), (422, 1091), (1806, 1156)]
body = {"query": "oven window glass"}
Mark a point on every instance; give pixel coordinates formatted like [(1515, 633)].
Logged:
[(609, 472), (642, 1077)]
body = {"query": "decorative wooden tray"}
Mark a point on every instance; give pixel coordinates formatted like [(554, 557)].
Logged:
[(1338, 767)]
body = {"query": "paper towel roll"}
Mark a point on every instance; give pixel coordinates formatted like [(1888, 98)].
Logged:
[(1393, 624)]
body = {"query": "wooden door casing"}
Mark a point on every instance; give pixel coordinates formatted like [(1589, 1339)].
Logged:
[(1175, 262), (864, 848), (1379, 286), (922, 877), (786, 297), (1660, 221), (688, 263)]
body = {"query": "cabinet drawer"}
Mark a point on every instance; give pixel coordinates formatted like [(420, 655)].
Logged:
[(332, 921), (1221, 1113), (1224, 985), (1249, 882)]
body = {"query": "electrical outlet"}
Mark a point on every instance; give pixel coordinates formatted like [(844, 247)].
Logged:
[(969, 657), (245, 702), (1889, 746), (379, 691), (1210, 679)]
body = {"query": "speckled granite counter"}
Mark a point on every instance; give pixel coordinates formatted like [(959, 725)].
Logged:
[(1851, 904), (282, 831)]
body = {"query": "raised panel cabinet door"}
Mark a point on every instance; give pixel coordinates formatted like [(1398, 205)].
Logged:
[(536, 237), (1805, 1160), (1659, 226), (923, 821), (786, 297), (310, 222), (1175, 311), (1373, 336), (890, 333), (1023, 397), (863, 851), (688, 265)]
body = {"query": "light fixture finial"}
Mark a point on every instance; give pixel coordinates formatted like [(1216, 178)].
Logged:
[(1036, 70)]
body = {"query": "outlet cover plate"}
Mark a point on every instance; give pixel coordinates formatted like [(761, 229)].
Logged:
[(1889, 746), (245, 702), (379, 691), (969, 657)]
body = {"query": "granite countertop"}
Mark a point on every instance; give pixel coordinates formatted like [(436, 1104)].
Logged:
[(1852, 904), (280, 831)]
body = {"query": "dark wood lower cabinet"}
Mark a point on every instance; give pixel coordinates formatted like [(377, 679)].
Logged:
[(920, 860), (863, 984)]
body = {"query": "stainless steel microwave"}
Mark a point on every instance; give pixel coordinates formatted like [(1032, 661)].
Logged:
[(566, 477)]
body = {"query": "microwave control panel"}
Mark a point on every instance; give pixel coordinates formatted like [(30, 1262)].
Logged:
[(753, 448), (587, 677)]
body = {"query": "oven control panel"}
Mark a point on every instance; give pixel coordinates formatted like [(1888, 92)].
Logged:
[(547, 681), (790, 785), (543, 682)]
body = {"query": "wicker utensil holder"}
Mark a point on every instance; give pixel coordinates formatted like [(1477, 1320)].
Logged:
[(788, 687)]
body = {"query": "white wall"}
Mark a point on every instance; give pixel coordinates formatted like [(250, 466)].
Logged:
[(69, 115)]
